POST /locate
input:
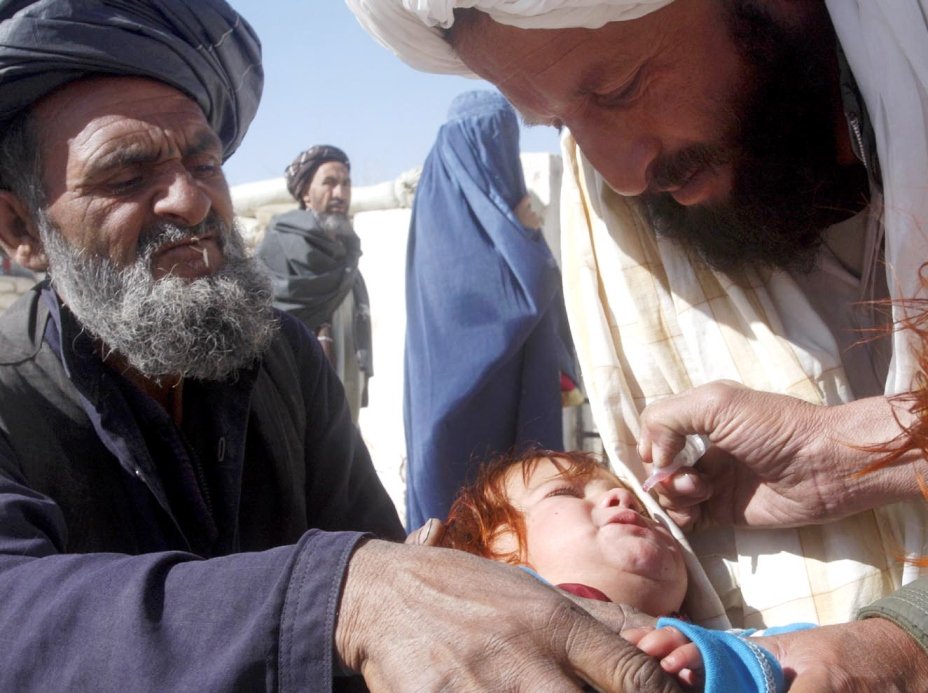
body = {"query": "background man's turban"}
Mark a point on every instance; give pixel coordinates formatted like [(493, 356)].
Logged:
[(413, 28), (301, 171), (201, 47)]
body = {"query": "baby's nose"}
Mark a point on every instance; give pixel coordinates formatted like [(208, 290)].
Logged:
[(618, 496)]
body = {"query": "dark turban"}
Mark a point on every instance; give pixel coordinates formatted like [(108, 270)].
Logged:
[(201, 47), (304, 167)]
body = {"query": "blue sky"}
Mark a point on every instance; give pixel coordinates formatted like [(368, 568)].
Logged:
[(327, 81)]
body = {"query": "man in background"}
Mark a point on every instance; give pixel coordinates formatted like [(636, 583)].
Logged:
[(312, 254)]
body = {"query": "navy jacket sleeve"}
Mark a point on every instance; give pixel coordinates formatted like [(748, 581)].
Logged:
[(161, 621)]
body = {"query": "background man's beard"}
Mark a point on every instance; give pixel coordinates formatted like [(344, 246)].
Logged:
[(335, 224), (205, 329), (787, 184)]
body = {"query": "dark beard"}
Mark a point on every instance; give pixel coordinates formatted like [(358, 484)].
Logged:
[(206, 328), (787, 184)]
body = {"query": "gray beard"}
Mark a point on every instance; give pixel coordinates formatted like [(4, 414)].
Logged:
[(335, 225), (206, 328)]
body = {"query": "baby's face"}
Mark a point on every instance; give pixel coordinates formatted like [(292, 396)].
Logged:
[(592, 530)]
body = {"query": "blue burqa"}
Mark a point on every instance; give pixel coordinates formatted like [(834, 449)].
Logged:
[(486, 338)]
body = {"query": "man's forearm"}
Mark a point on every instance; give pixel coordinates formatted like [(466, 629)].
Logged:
[(858, 434), (161, 621)]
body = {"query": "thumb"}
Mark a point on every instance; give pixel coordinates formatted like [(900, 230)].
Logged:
[(609, 663)]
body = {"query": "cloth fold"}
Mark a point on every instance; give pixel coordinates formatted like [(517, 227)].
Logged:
[(204, 49)]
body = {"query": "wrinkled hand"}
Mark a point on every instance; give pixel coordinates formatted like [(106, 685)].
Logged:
[(869, 655), (775, 460), (678, 655), (424, 619)]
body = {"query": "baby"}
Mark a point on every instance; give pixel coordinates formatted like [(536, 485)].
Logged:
[(569, 519)]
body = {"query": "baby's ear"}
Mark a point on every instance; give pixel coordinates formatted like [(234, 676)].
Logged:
[(19, 236), (505, 542)]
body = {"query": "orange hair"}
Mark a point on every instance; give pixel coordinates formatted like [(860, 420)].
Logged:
[(913, 436), (482, 511)]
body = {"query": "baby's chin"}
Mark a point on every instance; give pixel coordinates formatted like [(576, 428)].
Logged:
[(654, 598), (656, 589)]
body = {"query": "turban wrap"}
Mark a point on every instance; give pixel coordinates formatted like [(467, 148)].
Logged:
[(413, 28), (203, 48), (301, 171)]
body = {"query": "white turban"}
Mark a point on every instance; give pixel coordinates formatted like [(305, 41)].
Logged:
[(413, 28)]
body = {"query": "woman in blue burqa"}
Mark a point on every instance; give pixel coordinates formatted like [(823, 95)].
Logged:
[(486, 335)]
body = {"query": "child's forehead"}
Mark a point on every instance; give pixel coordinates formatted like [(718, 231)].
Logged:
[(541, 469)]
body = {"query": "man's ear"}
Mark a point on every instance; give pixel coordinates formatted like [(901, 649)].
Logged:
[(19, 236)]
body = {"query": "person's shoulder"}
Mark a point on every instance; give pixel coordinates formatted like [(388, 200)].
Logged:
[(295, 337), (294, 362), (294, 220), (21, 327)]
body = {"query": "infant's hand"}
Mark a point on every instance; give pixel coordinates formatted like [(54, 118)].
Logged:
[(678, 655)]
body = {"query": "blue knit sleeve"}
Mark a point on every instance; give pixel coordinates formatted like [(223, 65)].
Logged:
[(731, 661)]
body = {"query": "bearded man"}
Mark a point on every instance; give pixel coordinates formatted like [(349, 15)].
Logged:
[(312, 255), (745, 185), (185, 503)]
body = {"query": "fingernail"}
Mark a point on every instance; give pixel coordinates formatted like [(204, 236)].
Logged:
[(684, 483), (427, 528)]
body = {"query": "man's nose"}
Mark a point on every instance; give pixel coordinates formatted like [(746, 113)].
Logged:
[(621, 156), (182, 199)]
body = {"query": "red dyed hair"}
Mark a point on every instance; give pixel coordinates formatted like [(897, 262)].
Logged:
[(914, 436), (482, 511)]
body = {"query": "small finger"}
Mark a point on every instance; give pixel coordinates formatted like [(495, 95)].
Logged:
[(684, 657)]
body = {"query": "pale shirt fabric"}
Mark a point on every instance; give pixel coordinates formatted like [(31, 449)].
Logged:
[(412, 29), (648, 323), (886, 44)]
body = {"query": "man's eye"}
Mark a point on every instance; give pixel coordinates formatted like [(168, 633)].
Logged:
[(621, 96), (124, 185), (205, 169)]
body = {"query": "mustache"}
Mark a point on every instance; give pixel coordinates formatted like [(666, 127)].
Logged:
[(673, 170), (162, 233)]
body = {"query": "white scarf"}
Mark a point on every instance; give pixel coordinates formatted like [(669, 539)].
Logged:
[(412, 28)]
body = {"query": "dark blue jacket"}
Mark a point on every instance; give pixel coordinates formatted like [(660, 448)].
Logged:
[(139, 556)]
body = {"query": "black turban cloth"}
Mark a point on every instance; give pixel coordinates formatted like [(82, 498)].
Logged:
[(301, 171), (203, 48)]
